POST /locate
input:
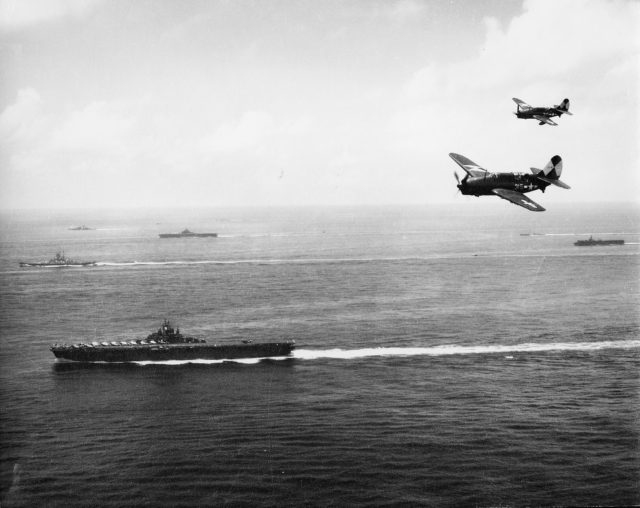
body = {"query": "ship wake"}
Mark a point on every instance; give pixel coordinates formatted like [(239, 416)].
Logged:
[(349, 354), (245, 361), (443, 350)]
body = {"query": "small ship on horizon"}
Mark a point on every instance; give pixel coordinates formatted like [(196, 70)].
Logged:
[(168, 344), (187, 234), (58, 261), (591, 242)]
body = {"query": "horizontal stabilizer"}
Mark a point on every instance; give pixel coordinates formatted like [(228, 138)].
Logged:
[(559, 183)]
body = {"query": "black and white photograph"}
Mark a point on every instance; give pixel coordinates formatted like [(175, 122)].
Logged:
[(313, 253)]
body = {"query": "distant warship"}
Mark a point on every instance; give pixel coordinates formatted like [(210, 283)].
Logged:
[(187, 234), (168, 344), (80, 228), (59, 261), (591, 242)]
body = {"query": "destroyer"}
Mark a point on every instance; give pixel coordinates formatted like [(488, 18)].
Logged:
[(59, 261), (591, 242), (187, 234), (168, 344)]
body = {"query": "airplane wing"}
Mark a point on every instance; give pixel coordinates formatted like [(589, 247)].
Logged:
[(468, 165), (519, 199), (544, 119), (523, 105)]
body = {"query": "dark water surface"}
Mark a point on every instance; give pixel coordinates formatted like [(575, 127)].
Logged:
[(443, 359)]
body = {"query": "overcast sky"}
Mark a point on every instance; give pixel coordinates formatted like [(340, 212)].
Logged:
[(283, 102)]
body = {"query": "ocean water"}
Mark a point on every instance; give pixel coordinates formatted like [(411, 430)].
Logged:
[(446, 356)]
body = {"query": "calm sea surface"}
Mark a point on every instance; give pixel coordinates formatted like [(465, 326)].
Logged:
[(464, 356)]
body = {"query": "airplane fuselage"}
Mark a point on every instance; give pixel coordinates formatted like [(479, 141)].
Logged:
[(533, 112), (484, 185)]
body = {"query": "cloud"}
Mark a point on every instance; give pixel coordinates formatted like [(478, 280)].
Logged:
[(556, 38), (260, 137), (65, 160), (18, 121), (399, 11), (323, 133), (251, 132), (547, 42), (552, 50), (99, 127), (19, 14)]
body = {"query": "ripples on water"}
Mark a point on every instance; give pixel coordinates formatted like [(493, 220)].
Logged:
[(437, 364)]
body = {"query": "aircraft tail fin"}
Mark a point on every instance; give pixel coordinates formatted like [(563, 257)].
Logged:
[(553, 169), (551, 172), (563, 107)]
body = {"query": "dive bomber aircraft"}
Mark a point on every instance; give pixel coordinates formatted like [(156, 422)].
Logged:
[(510, 186), (542, 114)]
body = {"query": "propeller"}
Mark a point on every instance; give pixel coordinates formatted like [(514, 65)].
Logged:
[(459, 186)]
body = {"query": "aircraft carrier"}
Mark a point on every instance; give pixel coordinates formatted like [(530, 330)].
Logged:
[(187, 234), (168, 344), (591, 242)]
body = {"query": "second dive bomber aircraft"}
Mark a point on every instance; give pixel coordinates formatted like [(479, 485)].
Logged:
[(509, 186), (542, 114)]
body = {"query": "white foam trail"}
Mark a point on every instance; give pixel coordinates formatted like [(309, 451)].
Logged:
[(245, 361), (348, 354), (156, 263), (585, 234), (260, 261), (313, 261)]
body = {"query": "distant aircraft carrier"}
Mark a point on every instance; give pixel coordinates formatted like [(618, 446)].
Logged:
[(591, 242), (187, 234)]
